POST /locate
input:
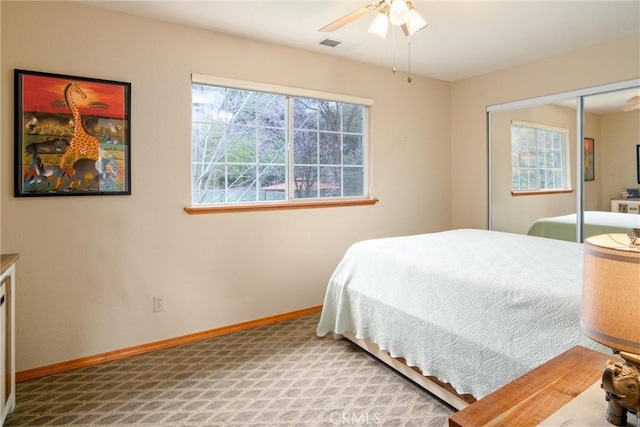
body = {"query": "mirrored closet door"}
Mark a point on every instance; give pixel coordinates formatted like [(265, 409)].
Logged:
[(557, 164)]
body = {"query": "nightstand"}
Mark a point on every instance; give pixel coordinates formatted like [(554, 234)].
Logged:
[(535, 396), (625, 205)]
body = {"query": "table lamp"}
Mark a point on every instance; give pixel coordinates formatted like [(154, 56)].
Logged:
[(611, 316)]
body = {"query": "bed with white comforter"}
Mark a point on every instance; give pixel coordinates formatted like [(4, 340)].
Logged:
[(595, 222), (474, 308)]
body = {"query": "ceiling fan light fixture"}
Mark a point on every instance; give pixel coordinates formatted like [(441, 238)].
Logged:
[(415, 22), (398, 12), (380, 24)]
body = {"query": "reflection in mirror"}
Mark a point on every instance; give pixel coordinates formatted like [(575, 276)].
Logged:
[(526, 194), (614, 126), (533, 164)]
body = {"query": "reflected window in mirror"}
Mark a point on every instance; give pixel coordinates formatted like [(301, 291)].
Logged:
[(539, 158)]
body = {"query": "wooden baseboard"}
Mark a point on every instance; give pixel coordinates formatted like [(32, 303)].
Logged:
[(159, 345)]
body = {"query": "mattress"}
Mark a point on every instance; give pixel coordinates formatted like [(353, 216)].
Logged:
[(595, 222), (474, 308)]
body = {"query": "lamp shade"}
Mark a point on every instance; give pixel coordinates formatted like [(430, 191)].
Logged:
[(415, 22), (611, 292), (380, 24), (398, 12)]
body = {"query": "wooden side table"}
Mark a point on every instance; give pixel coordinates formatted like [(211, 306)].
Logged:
[(535, 396)]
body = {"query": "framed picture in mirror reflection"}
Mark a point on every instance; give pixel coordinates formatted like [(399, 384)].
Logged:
[(589, 163), (638, 162)]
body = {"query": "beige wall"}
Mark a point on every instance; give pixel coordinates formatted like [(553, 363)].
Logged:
[(613, 61), (90, 266), (618, 168)]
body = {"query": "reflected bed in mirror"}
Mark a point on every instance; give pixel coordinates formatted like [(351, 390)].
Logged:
[(595, 223)]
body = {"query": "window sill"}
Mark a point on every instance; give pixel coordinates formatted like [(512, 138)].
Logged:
[(211, 209), (540, 192)]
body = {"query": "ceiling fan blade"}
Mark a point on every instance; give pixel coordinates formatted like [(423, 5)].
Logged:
[(405, 30), (347, 19), (634, 104)]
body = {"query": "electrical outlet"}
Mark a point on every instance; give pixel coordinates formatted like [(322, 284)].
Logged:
[(158, 304)]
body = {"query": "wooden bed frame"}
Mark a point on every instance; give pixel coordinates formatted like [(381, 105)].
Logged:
[(443, 391)]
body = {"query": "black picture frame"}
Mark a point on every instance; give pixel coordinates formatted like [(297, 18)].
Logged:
[(638, 162), (72, 135)]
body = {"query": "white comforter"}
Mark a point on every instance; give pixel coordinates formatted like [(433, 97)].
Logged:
[(474, 308)]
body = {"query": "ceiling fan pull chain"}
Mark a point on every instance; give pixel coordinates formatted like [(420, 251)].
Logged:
[(393, 47), (409, 79)]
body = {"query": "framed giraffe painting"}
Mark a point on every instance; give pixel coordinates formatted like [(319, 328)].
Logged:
[(72, 135)]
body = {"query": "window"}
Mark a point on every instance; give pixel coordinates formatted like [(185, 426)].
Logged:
[(254, 143), (539, 158)]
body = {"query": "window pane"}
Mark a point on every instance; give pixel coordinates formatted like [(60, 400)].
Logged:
[(270, 110), (207, 103), (352, 118), (207, 142), (542, 181), (305, 149), (528, 179), (557, 160), (241, 183), (330, 181), (329, 115), (306, 178), (272, 183), (515, 178), (352, 150), (208, 183), (330, 152), (243, 106), (353, 182), (547, 159), (241, 144), (528, 159), (305, 113), (271, 146), (558, 178)]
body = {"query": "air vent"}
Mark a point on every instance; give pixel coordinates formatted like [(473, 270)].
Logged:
[(330, 43), (338, 44)]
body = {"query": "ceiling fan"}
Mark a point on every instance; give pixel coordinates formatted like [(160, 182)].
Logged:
[(397, 12), (633, 104)]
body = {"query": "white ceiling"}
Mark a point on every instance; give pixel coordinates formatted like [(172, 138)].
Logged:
[(608, 102), (463, 39)]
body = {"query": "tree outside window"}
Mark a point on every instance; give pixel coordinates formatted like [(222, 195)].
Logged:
[(241, 151)]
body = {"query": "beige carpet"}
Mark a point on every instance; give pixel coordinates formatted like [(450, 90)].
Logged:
[(275, 375)]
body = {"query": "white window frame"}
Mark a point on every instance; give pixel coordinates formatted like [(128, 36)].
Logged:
[(566, 156), (301, 93)]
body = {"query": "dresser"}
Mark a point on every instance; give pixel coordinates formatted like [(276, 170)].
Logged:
[(625, 205), (7, 335)]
